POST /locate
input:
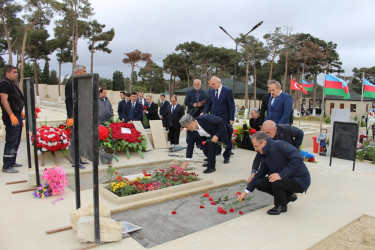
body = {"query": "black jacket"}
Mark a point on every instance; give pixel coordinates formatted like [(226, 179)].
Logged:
[(282, 158), (213, 125), (190, 99), (152, 111), (15, 97), (284, 132), (69, 98), (175, 117)]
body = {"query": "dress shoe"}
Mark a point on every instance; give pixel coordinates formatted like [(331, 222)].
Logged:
[(10, 170), (84, 162), (16, 165), (291, 198), (226, 161), (208, 171), (205, 159), (205, 164), (80, 166), (277, 210), (231, 153)]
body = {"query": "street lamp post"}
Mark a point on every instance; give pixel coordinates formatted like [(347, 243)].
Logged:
[(235, 57)]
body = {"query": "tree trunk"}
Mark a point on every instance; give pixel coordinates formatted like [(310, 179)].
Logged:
[(131, 78), (36, 77), (10, 60), (286, 71), (188, 77), (273, 59), (255, 84), (314, 94), (92, 57), (60, 62), (23, 54), (247, 82)]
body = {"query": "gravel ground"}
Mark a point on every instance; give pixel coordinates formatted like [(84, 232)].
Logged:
[(159, 225)]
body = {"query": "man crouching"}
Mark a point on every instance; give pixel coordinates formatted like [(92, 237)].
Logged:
[(282, 173)]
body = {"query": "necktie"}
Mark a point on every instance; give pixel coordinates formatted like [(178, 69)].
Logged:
[(217, 94), (133, 105), (172, 109)]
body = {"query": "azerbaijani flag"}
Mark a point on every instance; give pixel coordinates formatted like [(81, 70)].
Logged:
[(368, 89), (308, 86), (336, 86)]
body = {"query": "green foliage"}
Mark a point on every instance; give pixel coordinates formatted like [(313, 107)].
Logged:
[(366, 151), (45, 77), (327, 120), (363, 123), (106, 83), (118, 81), (355, 118), (53, 78)]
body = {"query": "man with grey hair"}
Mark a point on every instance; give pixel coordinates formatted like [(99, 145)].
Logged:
[(152, 109), (280, 104), (206, 130), (78, 70), (282, 173), (221, 104), (283, 132), (195, 99), (254, 120)]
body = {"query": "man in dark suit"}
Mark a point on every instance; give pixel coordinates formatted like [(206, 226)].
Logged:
[(282, 173), (173, 115), (133, 110), (221, 104), (194, 99), (141, 98), (280, 104), (283, 132), (265, 101), (121, 105), (152, 109), (163, 109), (209, 129)]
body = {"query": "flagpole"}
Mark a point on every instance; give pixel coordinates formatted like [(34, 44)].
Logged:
[(323, 109), (360, 115)]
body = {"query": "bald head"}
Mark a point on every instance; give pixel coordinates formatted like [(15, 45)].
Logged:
[(270, 128), (215, 82)]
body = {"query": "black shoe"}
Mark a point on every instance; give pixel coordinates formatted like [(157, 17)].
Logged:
[(205, 164), (226, 161), (10, 170), (277, 210), (205, 159), (16, 165), (84, 162), (80, 166), (208, 171), (291, 198), (231, 153)]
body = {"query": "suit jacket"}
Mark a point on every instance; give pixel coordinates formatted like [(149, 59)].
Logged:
[(280, 111), (213, 125), (138, 112), (163, 108), (282, 158), (175, 117), (223, 107), (144, 103), (152, 111), (284, 132), (263, 109), (190, 99), (120, 108)]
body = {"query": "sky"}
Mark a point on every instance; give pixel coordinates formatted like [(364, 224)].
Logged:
[(158, 26)]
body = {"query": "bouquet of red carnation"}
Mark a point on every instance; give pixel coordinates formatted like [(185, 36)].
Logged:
[(51, 138)]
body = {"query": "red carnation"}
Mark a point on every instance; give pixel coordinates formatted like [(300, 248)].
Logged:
[(174, 212), (240, 212), (116, 172), (201, 206), (37, 110), (119, 178), (144, 107), (231, 210), (204, 143), (210, 198), (206, 195), (252, 131), (213, 203)]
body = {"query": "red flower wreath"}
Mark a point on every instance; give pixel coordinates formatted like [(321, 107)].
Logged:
[(135, 135)]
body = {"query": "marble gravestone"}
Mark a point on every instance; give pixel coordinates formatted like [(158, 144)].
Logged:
[(338, 115), (157, 132), (138, 126)]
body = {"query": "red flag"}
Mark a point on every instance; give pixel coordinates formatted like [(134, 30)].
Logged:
[(296, 86)]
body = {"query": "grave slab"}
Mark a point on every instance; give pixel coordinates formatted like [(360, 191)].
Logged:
[(157, 132), (138, 126)]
